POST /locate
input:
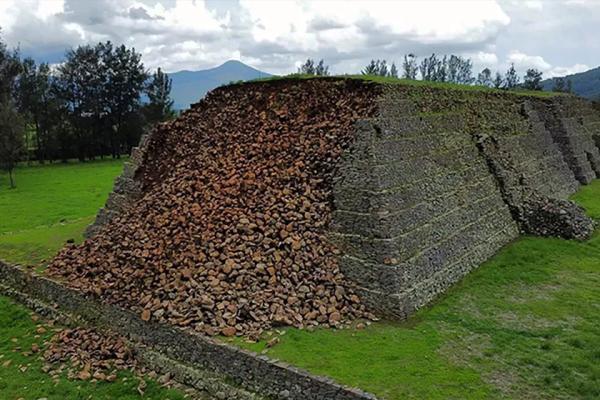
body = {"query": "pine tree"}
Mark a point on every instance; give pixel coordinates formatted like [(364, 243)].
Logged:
[(12, 128), (160, 104), (376, 68), (533, 79), (409, 67), (311, 68), (383, 68), (441, 70), (560, 84), (393, 71), (485, 78), (308, 68), (498, 81), (511, 79), (429, 67), (322, 69)]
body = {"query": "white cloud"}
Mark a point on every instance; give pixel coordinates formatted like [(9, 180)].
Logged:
[(301, 22), (8, 15), (562, 71), (524, 61), (534, 4), (277, 35), (483, 58), (48, 8)]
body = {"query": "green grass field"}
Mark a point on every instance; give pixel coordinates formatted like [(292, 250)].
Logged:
[(21, 375), (526, 325), (50, 205)]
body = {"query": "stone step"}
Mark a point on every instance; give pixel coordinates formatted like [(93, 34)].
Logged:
[(382, 291), (411, 242), (403, 149), (361, 199), (388, 224), (393, 174), (407, 302), (415, 126)]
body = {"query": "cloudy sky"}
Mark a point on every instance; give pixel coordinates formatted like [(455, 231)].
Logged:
[(557, 37)]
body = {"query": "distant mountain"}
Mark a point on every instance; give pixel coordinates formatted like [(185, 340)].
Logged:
[(585, 84), (190, 86)]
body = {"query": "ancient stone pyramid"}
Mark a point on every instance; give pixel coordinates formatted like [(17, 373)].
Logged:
[(306, 202)]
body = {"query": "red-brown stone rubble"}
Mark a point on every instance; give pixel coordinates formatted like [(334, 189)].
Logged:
[(230, 234)]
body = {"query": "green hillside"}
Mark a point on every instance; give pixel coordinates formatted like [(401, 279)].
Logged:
[(585, 84)]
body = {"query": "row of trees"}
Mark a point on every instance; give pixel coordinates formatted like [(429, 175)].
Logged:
[(90, 106), (452, 69)]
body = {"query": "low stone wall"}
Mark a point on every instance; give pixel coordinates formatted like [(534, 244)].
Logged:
[(224, 363)]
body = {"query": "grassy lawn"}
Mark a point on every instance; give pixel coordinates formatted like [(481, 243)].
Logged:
[(21, 375), (411, 82), (51, 204), (526, 325)]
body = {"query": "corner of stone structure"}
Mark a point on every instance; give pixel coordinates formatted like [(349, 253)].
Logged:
[(126, 189), (431, 188)]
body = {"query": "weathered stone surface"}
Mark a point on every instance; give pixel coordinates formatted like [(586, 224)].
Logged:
[(194, 359), (543, 216), (126, 189), (433, 183), (443, 179)]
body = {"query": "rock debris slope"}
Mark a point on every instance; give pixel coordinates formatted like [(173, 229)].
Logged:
[(229, 235), (306, 202)]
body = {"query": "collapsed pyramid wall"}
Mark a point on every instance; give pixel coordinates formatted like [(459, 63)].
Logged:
[(227, 233), (433, 184)]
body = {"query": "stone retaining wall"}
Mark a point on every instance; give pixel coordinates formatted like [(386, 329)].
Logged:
[(439, 181), (190, 352), (570, 121)]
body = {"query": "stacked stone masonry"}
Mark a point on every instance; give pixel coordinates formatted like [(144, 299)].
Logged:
[(435, 185), (439, 181), (573, 123), (126, 188)]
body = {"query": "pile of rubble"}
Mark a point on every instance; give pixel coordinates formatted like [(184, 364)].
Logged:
[(229, 236), (87, 354), (542, 216)]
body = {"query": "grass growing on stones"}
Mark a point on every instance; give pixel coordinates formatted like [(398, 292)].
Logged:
[(21, 375), (51, 204), (413, 82), (525, 325)]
